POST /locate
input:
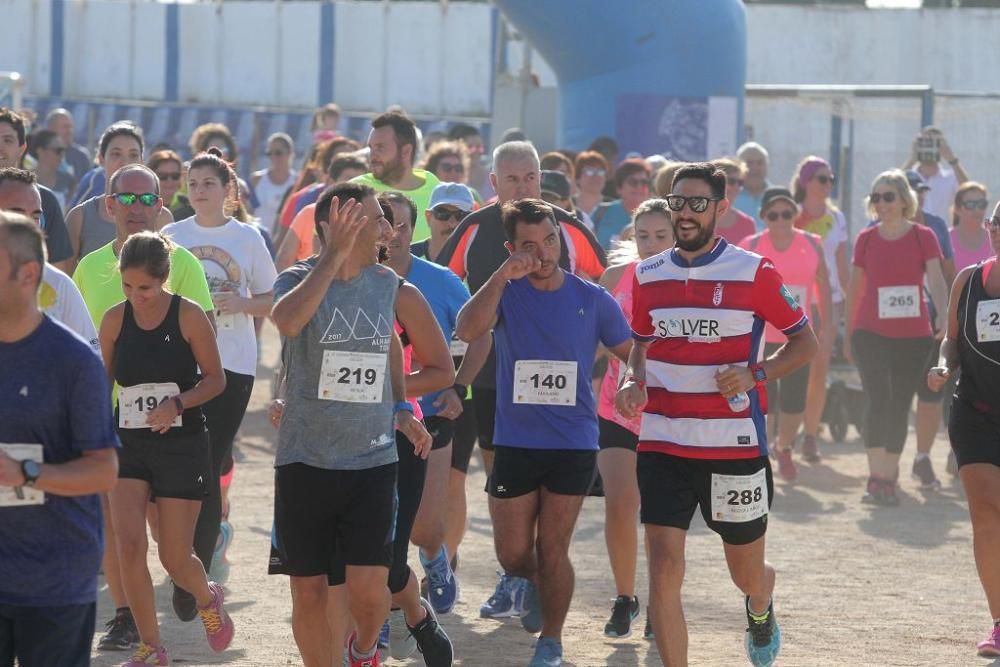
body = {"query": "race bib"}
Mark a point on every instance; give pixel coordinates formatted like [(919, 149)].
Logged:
[(223, 321), (352, 377), (739, 498), (545, 382), (798, 293), (988, 321), (24, 495), (458, 347), (137, 401), (898, 301)]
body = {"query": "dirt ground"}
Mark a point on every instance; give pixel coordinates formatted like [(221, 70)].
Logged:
[(856, 585)]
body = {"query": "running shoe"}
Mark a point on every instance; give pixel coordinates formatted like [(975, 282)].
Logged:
[(763, 636), (991, 647), (810, 449), (786, 467), (383, 635), (219, 570), (548, 653), (218, 625), (624, 611), (431, 639), (880, 492), (146, 654), (531, 608), (374, 661), (442, 585), (401, 642), (121, 633), (647, 633), (501, 603), (185, 606), (923, 472)]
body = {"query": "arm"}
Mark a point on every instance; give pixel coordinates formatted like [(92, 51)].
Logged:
[(825, 302), (164, 218), (949, 156), (96, 471), (479, 315), (852, 299), (449, 403), (797, 352), (429, 346), (623, 351), (938, 288), (107, 337), (258, 305), (843, 265), (287, 250), (631, 397), (406, 423), (948, 360), (74, 227)]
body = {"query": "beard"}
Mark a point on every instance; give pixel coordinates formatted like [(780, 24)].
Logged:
[(701, 239), (392, 170)]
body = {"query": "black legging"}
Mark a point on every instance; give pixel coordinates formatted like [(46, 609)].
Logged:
[(409, 487), (890, 369), (223, 415)]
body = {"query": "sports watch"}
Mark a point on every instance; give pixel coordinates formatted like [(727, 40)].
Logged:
[(759, 375), (31, 471)]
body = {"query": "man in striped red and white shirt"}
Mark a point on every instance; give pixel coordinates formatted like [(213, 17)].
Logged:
[(697, 376)]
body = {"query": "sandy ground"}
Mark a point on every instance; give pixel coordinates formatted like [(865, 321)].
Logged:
[(856, 585)]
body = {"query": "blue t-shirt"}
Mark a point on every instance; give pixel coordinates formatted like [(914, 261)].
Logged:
[(750, 205), (562, 325), (609, 221), (54, 392), (91, 184), (446, 294)]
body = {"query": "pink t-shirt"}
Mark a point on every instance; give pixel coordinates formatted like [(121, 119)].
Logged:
[(742, 228), (797, 264), (609, 387), (893, 304), (407, 365), (965, 257)]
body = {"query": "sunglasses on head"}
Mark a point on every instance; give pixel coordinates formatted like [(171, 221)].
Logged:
[(973, 204), (593, 171), (129, 198), (170, 176), (676, 203), (823, 179), (887, 197), (784, 215), (450, 168), (443, 214)]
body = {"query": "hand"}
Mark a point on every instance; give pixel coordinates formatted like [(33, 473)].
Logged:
[(947, 154), (10, 471), (631, 399), (734, 380), (449, 404), (939, 327), (162, 418), (519, 265), (937, 378), (274, 412), (342, 229), (229, 303), (415, 431)]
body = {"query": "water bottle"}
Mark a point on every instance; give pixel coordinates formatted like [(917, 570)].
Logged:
[(740, 401)]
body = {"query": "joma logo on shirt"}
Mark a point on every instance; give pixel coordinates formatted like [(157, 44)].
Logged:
[(677, 328), (650, 267)]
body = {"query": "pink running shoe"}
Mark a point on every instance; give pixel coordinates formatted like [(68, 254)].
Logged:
[(218, 625), (786, 467), (146, 655), (991, 647)]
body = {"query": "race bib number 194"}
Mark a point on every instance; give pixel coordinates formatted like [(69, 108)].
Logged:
[(137, 401)]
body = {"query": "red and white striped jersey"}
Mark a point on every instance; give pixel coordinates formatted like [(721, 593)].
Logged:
[(700, 317)]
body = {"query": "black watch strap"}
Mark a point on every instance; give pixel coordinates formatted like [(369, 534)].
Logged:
[(461, 390)]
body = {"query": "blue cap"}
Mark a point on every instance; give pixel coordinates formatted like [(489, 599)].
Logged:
[(916, 181), (452, 194)]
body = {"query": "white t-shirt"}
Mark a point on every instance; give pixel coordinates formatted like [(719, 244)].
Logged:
[(941, 196), (270, 195), (60, 299), (235, 259)]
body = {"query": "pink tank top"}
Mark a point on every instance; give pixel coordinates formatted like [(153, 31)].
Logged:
[(609, 387), (964, 257), (407, 365), (797, 265)]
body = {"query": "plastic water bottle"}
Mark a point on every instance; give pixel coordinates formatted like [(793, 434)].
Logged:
[(740, 401)]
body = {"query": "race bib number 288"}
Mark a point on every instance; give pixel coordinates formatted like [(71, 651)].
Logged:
[(739, 498)]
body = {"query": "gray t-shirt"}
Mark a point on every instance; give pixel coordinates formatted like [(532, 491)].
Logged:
[(342, 354)]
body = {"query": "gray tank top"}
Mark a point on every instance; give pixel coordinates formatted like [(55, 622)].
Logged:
[(339, 407), (95, 233)]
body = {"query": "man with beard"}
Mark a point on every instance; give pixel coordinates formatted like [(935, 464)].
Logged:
[(699, 311), (393, 147), (547, 326)]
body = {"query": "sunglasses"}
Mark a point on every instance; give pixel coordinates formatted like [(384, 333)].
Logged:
[(823, 179), (169, 176), (732, 180), (676, 203), (593, 171), (887, 197), (58, 150), (129, 198), (974, 204), (784, 215), (276, 153), (450, 168), (637, 182), (442, 214)]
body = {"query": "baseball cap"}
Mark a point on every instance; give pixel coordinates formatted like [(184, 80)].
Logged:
[(452, 194), (555, 182), (917, 181), (772, 195)]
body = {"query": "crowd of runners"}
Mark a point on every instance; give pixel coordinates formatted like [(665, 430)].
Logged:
[(654, 332)]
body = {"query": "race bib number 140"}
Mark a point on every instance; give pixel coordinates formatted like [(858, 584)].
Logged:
[(545, 382)]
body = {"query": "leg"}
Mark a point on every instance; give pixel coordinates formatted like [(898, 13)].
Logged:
[(816, 394), (110, 564), (177, 526), (338, 616), (429, 525), (871, 353), (982, 486), (411, 473), (928, 419), (514, 521), (905, 374), (309, 620), (369, 602), (665, 547), (788, 428), (128, 509), (457, 511), (556, 521), (751, 573), (485, 401), (621, 508)]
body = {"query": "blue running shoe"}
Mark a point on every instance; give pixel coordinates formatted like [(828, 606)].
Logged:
[(383, 635), (531, 608), (442, 586), (501, 603), (548, 653), (218, 571), (763, 636)]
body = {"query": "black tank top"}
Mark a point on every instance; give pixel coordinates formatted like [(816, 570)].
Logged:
[(979, 385), (158, 355)]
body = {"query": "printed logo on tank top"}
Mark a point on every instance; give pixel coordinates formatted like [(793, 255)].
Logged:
[(359, 326)]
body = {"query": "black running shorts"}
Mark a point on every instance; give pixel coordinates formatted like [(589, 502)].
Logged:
[(975, 434), (175, 467), (521, 470), (614, 435), (442, 431)]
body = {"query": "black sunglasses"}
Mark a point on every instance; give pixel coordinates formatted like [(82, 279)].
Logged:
[(973, 204), (449, 168), (887, 197), (442, 214), (823, 179), (676, 203), (171, 176), (129, 198), (784, 215)]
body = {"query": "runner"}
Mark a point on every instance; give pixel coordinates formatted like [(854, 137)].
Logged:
[(134, 206), (474, 252), (450, 203), (240, 275), (547, 324), (335, 468), (160, 349), (619, 436), (971, 344), (888, 329), (703, 439), (57, 453), (969, 240), (798, 257), (271, 184), (735, 225)]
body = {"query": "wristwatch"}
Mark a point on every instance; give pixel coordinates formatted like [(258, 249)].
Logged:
[(31, 471), (402, 406), (759, 375), (461, 390)]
